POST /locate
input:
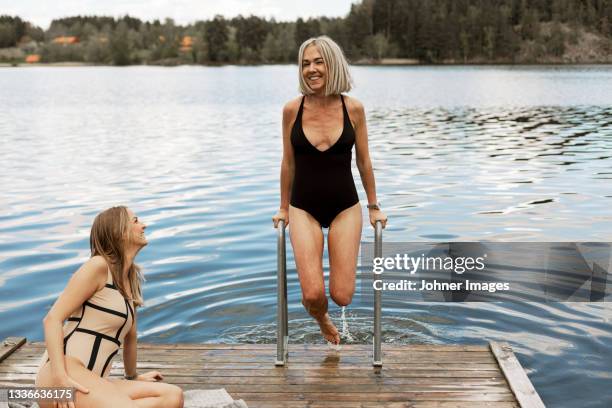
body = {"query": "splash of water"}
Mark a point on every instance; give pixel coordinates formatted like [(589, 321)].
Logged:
[(346, 334)]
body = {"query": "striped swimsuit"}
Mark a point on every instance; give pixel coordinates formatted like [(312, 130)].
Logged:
[(94, 332)]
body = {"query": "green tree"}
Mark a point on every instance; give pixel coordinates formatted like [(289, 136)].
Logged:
[(56, 29), (12, 29), (271, 48), (425, 32), (506, 38), (97, 50), (286, 36), (51, 52), (200, 48), (489, 45), (306, 29), (119, 46), (251, 32), (279, 45), (377, 46), (170, 37), (465, 45), (35, 33), (359, 27), (231, 51), (217, 35), (7, 35), (530, 25), (556, 44)]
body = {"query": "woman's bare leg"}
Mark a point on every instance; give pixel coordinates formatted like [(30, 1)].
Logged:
[(307, 241), (114, 393), (102, 393), (343, 244), (151, 394)]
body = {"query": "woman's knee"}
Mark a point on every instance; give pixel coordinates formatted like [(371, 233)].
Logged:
[(342, 297), (173, 396), (313, 297)]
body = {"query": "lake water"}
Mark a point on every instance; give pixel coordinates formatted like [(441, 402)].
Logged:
[(460, 153)]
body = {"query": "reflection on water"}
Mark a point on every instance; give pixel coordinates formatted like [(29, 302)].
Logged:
[(491, 153), (516, 174)]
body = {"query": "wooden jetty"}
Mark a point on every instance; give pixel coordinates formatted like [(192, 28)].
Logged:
[(413, 376)]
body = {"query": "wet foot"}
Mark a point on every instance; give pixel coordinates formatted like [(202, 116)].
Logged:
[(329, 330)]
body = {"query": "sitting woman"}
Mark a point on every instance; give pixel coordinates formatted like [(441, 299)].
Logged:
[(99, 307)]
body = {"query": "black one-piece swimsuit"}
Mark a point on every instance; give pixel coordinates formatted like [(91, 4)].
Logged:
[(323, 183)]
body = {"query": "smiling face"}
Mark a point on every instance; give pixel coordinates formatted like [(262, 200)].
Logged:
[(314, 70), (136, 230)]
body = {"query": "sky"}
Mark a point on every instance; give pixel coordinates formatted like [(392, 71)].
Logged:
[(41, 12)]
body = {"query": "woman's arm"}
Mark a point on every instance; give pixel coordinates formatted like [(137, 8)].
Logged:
[(130, 357), (364, 164), (90, 278), (287, 164), (130, 351)]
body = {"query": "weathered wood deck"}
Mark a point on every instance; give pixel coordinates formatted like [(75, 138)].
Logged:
[(441, 376)]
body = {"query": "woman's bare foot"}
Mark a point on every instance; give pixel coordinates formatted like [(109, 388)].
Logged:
[(329, 330)]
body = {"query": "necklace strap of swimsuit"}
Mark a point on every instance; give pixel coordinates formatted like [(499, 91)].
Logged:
[(343, 104), (301, 106), (344, 110)]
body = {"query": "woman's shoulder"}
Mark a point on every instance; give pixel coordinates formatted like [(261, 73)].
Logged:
[(96, 268), (352, 102), (354, 106), (98, 262), (292, 106)]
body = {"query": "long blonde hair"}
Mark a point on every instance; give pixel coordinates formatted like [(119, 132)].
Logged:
[(338, 76), (109, 235)]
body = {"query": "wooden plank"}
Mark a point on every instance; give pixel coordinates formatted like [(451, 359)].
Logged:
[(517, 378), (306, 352), (374, 397), (325, 358), (319, 360), (329, 366), (309, 352), (315, 347), (411, 404), (352, 375), (298, 380), (298, 347), (298, 356), (9, 345), (365, 390), (325, 388)]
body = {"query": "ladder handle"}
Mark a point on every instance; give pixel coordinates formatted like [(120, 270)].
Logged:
[(282, 326), (377, 352)]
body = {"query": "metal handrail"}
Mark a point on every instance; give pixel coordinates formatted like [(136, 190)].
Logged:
[(282, 324), (377, 353)]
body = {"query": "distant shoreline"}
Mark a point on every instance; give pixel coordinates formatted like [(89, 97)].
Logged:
[(391, 62)]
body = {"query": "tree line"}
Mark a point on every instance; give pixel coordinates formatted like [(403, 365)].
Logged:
[(429, 31)]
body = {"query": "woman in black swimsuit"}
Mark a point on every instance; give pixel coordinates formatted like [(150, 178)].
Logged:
[(317, 188)]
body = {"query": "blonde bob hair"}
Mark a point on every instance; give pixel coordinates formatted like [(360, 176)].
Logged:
[(109, 236), (338, 76)]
